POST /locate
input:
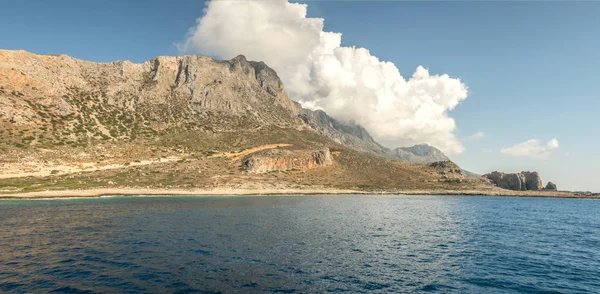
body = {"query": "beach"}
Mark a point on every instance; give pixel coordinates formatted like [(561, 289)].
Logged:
[(99, 192)]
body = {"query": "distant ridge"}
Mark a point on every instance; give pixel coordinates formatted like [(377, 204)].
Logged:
[(422, 153)]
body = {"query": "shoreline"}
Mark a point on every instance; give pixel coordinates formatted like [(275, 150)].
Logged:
[(103, 192)]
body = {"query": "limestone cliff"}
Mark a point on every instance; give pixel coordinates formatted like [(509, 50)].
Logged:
[(284, 160), (60, 94), (523, 181)]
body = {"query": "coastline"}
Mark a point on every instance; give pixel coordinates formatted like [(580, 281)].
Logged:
[(101, 192)]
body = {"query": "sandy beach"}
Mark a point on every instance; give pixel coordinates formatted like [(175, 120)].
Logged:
[(278, 192)]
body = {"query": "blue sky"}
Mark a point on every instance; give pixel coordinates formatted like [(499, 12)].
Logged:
[(531, 67)]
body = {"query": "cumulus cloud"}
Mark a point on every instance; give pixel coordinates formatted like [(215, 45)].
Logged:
[(477, 136), (553, 143), (349, 83), (532, 148)]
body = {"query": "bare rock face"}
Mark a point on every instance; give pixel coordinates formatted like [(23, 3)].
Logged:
[(499, 179), (523, 181), (284, 160), (533, 181), (447, 169), (515, 182), (551, 187), (345, 133), (161, 93)]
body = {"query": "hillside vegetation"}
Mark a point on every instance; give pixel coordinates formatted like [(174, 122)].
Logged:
[(169, 122)]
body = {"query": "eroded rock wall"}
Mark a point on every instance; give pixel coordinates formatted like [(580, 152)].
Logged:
[(287, 160), (523, 181)]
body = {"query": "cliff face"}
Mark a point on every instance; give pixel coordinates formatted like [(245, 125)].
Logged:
[(284, 160), (86, 99), (523, 181)]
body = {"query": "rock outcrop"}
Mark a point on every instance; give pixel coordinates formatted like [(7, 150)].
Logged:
[(533, 182), (551, 187), (284, 160), (523, 181), (447, 169)]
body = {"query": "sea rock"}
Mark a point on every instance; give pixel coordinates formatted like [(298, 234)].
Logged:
[(551, 187)]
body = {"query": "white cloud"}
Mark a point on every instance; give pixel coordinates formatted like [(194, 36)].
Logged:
[(532, 148), (477, 136), (553, 143), (347, 82)]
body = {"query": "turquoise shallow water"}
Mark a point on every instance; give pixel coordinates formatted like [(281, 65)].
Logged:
[(315, 244)]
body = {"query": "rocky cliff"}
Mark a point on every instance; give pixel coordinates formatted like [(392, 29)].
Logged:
[(523, 181), (69, 100), (285, 160)]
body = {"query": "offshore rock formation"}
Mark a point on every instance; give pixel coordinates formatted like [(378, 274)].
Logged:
[(523, 181), (284, 160)]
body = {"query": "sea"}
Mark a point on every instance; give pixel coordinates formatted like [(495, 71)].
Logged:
[(300, 244)]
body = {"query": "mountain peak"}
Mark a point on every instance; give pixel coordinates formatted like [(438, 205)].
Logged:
[(421, 153)]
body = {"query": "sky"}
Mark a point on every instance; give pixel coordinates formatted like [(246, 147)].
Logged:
[(529, 69)]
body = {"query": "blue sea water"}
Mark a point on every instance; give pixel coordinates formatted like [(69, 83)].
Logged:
[(303, 244)]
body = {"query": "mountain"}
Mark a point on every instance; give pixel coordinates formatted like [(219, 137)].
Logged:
[(347, 134), (183, 122), (356, 137), (421, 153)]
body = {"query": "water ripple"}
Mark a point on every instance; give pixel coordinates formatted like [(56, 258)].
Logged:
[(356, 244)]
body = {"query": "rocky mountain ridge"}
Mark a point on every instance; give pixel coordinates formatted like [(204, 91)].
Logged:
[(102, 101), (183, 91), (186, 121), (422, 153)]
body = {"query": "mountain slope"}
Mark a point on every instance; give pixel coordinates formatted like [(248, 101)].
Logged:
[(187, 121), (421, 153), (347, 134)]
